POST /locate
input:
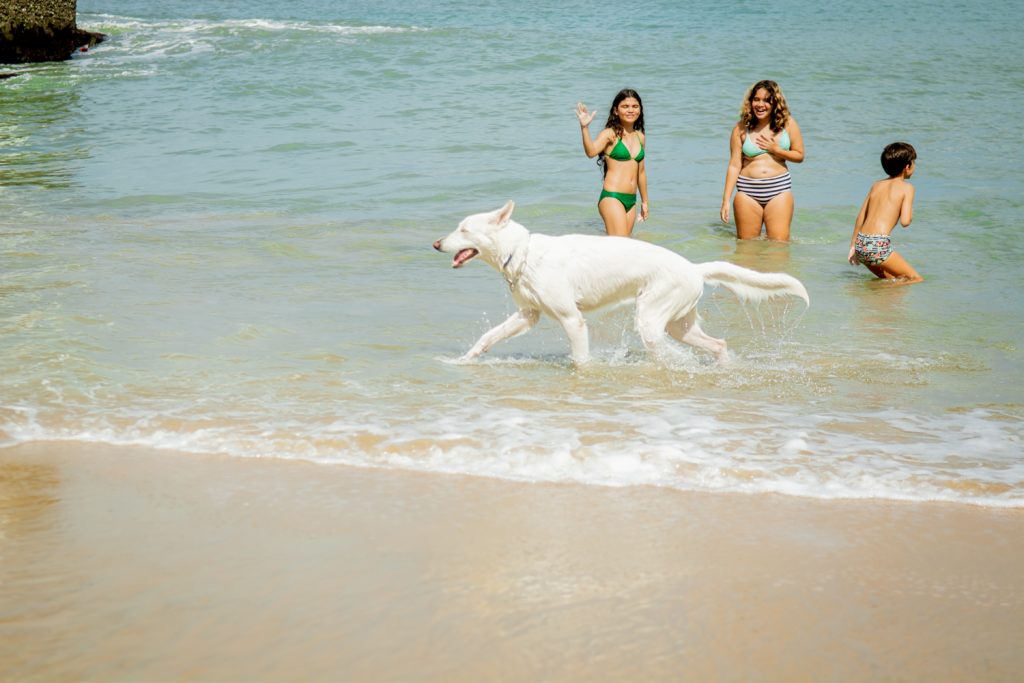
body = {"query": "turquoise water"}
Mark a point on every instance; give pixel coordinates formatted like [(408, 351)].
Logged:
[(215, 234)]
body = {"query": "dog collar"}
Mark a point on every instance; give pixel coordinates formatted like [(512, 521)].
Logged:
[(513, 280)]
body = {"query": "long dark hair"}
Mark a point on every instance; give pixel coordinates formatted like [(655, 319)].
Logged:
[(615, 124)]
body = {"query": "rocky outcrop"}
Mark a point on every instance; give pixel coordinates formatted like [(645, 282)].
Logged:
[(41, 31)]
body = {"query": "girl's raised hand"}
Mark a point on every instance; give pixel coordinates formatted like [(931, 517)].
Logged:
[(583, 115)]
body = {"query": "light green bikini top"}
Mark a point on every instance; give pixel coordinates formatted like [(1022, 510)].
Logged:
[(752, 150)]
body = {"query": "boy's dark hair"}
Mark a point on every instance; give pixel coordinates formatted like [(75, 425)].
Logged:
[(897, 156)]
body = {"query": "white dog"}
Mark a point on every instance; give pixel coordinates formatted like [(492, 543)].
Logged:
[(568, 275)]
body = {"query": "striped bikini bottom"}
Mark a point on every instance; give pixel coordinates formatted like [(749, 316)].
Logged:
[(763, 190)]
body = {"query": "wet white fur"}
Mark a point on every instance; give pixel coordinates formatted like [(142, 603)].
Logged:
[(568, 275)]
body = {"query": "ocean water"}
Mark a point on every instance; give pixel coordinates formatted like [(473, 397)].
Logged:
[(216, 228)]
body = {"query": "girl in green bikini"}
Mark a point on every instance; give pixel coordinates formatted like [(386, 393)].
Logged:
[(620, 150)]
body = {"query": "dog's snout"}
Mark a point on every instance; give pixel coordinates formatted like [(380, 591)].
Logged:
[(437, 245)]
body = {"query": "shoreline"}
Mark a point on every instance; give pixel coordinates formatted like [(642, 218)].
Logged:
[(133, 564)]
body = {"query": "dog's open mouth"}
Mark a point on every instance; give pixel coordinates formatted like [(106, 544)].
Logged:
[(463, 256)]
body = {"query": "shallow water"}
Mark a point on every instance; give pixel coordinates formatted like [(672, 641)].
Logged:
[(215, 235)]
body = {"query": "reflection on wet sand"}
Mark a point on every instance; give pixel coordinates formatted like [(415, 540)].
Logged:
[(33, 577), (27, 496)]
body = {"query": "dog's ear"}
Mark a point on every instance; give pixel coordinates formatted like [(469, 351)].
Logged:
[(502, 215)]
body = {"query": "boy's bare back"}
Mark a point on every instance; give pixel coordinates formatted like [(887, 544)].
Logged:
[(889, 201)]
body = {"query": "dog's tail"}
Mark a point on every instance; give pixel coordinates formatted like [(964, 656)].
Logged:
[(750, 285)]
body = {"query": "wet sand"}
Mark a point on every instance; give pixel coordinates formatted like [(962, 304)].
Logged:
[(122, 564)]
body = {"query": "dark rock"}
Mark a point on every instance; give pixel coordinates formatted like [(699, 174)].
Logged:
[(41, 31), (42, 45)]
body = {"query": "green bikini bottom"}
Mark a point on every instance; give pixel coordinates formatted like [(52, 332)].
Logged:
[(628, 201)]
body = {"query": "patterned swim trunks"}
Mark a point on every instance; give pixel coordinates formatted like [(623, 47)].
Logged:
[(872, 250)]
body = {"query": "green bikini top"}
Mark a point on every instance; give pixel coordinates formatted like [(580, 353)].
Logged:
[(621, 153)]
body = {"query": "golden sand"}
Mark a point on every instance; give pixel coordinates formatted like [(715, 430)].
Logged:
[(132, 565)]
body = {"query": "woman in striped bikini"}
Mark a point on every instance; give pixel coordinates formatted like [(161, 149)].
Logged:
[(762, 142)]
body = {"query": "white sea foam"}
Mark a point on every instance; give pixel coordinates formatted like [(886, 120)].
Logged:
[(120, 24), (676, 446)]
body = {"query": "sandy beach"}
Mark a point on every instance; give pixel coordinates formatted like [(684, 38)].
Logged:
[(130, 565)]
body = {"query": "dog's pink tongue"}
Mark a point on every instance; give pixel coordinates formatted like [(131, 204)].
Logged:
[(463, 256)]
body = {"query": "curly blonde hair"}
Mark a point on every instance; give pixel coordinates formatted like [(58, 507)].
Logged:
[(780, 110)]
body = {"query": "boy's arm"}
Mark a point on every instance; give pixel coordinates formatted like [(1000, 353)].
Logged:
[(907, 207), (856, 228)]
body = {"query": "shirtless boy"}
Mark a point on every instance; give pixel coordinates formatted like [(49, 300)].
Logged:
[(888, 201)]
